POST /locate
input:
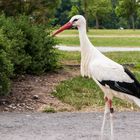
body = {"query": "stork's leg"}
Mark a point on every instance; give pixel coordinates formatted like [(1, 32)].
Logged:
[(104, 119), (111, 118)]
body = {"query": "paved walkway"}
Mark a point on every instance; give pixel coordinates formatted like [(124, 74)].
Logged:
[(102, 49), (67, 126)]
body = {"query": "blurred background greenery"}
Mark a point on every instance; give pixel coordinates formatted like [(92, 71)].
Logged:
[(110, 14)]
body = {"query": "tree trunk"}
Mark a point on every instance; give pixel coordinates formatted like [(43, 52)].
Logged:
[(85, 13), (97, 21), (133, 22)]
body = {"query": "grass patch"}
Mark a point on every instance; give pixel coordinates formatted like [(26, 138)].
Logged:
[(119, 57), (121, 41), (104, 32), (82, 92), (69, 56), (49, 109), (114, 42), (126, 58), (70, 92)]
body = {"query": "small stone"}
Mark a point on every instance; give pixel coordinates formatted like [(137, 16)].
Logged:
[(12, 106), (35, 97), (4, 101), (30, 108), (52, 96), (23, 104), (6, 109)]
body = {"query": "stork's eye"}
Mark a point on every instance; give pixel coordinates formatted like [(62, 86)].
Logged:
[(75, 20)]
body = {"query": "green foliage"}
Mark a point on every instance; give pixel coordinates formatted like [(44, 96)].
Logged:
[(25, 47), (54, 12), (128, 9), (16, 37), (110, 14), (5, 72), (6, 67), (31, 46), (39, 10), (99, 9), (65, 10), (74, 11)]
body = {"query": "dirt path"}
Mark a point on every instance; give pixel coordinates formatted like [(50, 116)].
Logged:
[(33, 93)]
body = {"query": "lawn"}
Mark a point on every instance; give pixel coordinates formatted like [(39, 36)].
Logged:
[(104, 32), (119, 57), (114, 38), (83, 92), (98, 41)]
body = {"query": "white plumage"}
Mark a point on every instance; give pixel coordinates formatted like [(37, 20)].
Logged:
[(111, 77)]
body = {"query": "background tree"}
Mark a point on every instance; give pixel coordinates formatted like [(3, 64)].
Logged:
[(74, 11), (65, 10), (85, 10), (41, 10), (98, 10), (128, 10), (98, 13), (10, 7), (138, 16), (45, 10)]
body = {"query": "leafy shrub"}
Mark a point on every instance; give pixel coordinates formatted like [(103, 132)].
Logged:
[(6, 67), (27, 47), (31, 45)]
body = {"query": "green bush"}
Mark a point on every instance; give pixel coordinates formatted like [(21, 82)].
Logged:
[(31, 45), (27, 47), (6, 67)]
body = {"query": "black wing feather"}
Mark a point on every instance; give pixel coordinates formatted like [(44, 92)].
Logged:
[(128, 88)]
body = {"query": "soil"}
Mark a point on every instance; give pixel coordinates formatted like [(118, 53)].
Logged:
[(34, 93)]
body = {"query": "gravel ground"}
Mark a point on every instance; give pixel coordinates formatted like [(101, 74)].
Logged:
[(67, 126)]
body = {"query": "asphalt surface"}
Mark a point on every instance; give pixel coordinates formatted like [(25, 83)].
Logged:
[(67, 126)]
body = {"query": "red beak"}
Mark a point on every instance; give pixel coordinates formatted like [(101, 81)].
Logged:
[(64, 27)]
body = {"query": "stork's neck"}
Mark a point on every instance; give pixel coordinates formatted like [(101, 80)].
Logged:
[(86, 46), (84, 41), (88, 51)]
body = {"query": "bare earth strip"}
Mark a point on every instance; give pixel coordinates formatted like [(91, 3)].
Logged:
[(33, 93)]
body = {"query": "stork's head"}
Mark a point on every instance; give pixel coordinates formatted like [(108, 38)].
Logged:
[(76, 21)]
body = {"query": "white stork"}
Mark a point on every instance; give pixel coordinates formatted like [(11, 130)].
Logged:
[(111, 77)]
